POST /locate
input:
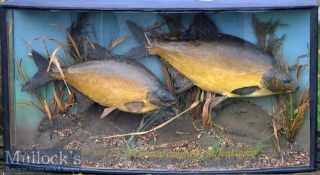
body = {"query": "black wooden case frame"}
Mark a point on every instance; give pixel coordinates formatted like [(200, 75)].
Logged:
[(156, 6)]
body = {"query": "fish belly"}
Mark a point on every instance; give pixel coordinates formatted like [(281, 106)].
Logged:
[(110, 91)]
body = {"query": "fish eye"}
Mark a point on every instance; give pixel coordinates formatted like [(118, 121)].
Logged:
[(165, 95), (286, 81)]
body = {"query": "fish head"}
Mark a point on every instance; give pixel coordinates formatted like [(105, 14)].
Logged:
[(276, 80), (161, 97)]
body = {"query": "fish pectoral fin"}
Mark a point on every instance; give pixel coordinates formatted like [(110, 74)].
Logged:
[(180, 82), (216, 100), (106, 112), (246, 90), (134, 106), (83, 102), (202, 28)]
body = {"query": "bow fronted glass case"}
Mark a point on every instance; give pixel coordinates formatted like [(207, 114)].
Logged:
[(159, 87)]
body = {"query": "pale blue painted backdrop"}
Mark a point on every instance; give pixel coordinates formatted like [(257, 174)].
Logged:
[(30, 25)]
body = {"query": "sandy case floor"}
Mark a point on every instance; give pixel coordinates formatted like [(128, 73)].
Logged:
[(245, 143)]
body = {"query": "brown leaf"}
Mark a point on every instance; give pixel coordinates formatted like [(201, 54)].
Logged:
[(55, 61), (71, 39), (57, 99), (206, 118), (49, 39), (167, 77), (299, 70), (275, 134), (53, 106), (69, 102), (117, 42), (47, 109), (74, 45)]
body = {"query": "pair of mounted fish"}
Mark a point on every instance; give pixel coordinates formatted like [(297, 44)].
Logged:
[(201, 56)]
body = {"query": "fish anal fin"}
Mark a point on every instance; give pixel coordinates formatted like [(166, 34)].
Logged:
[(106, 112), (216, 100), (134, 106), (245, 90), (83, 102), (180, 82)]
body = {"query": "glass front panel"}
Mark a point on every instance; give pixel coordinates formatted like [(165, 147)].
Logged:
[(148, 90)]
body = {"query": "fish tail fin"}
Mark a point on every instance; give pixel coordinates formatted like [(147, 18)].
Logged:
[(142, 37), (137, 32), (42, 77)]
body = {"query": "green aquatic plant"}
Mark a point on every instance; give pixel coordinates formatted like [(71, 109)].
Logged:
[(268, 41), (292, 112), (130, 151), (292, 106), (149, 120)]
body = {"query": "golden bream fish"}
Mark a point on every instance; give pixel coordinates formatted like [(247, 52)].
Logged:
[(220, 63), (117, 83)]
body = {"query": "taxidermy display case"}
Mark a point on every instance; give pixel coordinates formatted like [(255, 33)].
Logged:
[(188, 86)]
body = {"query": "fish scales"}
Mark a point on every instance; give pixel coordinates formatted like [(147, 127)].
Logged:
[(217, 66), (217, 62), (112, 83)]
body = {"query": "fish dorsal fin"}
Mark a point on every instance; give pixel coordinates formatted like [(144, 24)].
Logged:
[(83, 102), (202, 28), (80, 35), (95, 51)]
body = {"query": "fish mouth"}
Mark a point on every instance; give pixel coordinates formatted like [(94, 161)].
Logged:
[(161, 97), (295, 87), (292, 85), (291, 88), (168, 103), (169, 100)]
